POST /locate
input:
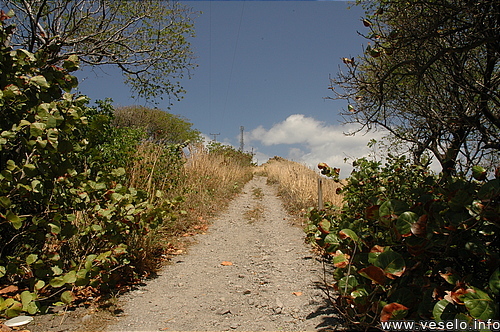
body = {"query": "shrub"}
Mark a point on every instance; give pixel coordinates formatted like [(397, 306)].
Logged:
[(67, 221), (160, 126), (408, 244)]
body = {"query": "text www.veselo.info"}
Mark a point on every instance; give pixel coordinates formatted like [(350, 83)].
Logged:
[(450, 325)]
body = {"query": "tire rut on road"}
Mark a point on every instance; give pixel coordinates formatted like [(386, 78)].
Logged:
[(270, 279)]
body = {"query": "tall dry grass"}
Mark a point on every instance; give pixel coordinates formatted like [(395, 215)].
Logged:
[(210, 181), (195, 187), (298, 184)]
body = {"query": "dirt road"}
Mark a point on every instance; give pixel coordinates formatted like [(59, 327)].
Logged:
[(251, 271)]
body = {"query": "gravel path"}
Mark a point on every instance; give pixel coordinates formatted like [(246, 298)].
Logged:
[(251, 271)]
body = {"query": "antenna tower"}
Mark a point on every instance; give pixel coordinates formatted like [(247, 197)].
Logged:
[(242, 143)]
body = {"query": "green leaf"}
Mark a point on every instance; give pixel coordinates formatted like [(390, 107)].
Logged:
[(494, 282), (479, 304), (55, 228), (30, 170), (39, 285), (443, 311), (89, 261), (348, 233), (5, 202), (67, 297), (2, 271), (13, 308), (81, 278), (405, 221), (390, 210), (70, 277), (31, 308), (53, 136), (71, 64), (36, 129), (392, 263), (26, 298), (36, 185), (479, 173), (56, 270), (57, 282), (324, 226), (331, 239), (347, 284), (15, 220), (31, 259), (340, 261), (117, 172), (40, 80)]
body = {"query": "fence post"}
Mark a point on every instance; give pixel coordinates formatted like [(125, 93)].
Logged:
[(320, 193)]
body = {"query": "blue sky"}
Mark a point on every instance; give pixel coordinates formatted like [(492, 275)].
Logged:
[(264, 65)]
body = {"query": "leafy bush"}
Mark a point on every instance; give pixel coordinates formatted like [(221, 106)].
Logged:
[(67, 221), (160, 126), (230, 153), (408, 244)]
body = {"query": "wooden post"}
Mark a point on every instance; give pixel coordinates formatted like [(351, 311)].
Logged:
[(320, 194)]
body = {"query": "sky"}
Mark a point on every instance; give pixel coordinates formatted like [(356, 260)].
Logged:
[(266, 66)]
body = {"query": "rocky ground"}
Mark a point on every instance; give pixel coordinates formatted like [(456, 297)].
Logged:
[(251, 271)]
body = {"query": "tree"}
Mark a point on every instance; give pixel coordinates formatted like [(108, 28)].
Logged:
[(430, 75), (147, 40), (160, 126)]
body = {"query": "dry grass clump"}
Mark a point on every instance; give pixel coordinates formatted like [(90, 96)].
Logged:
[(298, 184), (195, 188), (210, 181)]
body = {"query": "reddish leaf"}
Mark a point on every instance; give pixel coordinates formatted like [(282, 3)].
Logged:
[(420, 227), (376, 274), (390, 310), (324, 226), (340, 259), (226, 263), (9, 289), (377, 248), (455, 295), (323, 166), (371, 213), (3, 16), (297, 293)]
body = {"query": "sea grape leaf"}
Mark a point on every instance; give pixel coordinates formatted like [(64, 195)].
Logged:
[(392, 263), (405, 222), (375, 273), (393, 310), (444, 310), (494, 282), (479, 304), (390, 210), (348, 233)]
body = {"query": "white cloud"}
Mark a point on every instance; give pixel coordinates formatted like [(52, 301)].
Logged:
[(313, 141)]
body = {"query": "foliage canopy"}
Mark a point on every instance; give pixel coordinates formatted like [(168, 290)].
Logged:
[(159, 125), (147, 40), (430, 75)]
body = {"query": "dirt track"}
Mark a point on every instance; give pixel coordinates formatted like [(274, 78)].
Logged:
[(250, 271)]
